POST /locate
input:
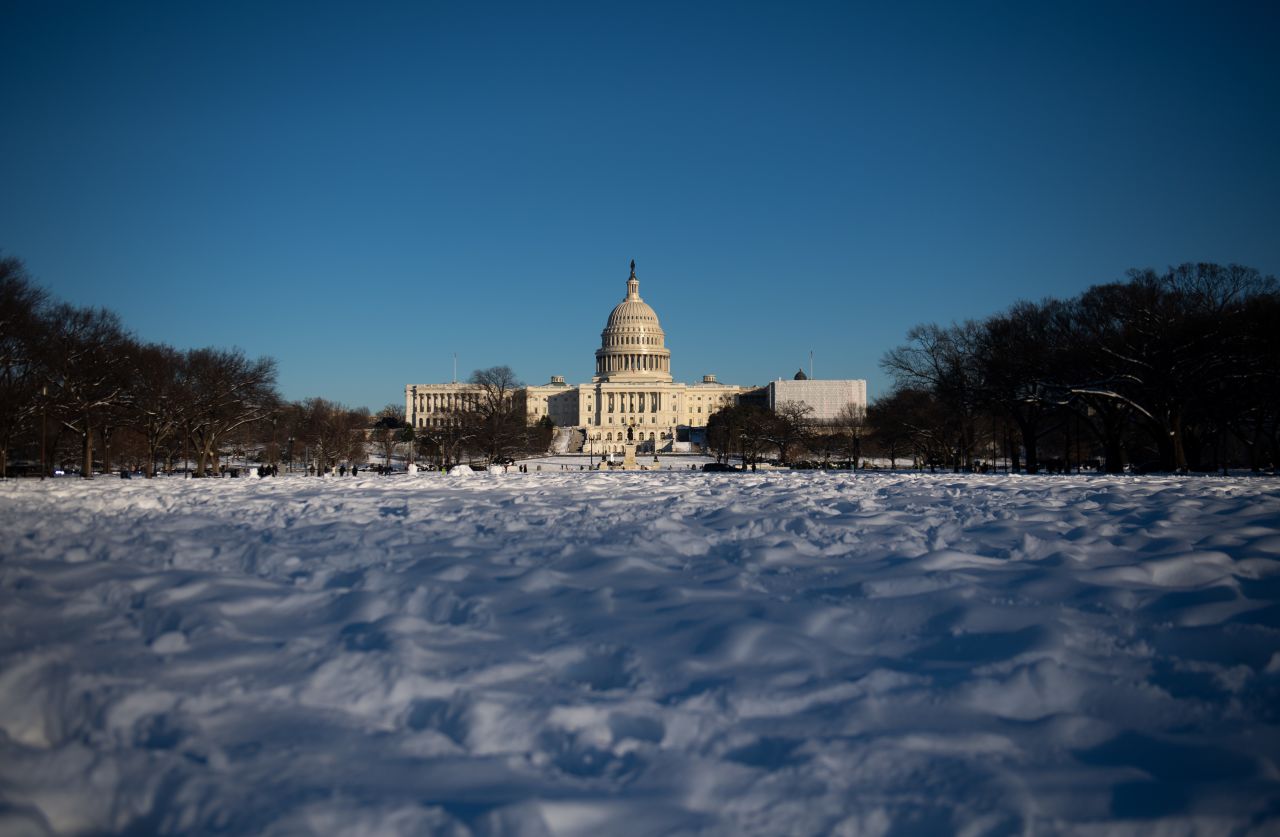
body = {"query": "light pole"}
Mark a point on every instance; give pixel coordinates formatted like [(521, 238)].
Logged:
[(44, 409)]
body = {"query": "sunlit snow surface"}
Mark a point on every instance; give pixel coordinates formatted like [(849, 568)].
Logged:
[(586, 653)]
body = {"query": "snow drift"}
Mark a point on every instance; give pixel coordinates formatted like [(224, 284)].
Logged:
[(588, 653)]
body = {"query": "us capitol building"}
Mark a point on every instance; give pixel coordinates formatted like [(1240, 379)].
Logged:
[(631, 394)]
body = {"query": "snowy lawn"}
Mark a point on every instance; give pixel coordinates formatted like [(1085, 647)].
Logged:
[(609, 653)]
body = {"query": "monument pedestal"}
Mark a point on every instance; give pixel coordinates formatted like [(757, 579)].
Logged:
[(629, 457)]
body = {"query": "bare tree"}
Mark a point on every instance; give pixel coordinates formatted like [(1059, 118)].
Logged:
[(21, 304), (788, 428), (742, 428), (157, 399), (823, 441), (1250, 410), (291, 417), (85, 355), (1172, 369), (723, 429), (448, 439), (850, 426), (1098, 390), (941, 360), (388, 430), (226, 391), (334, 433), (1167, 349), (497, 422), (910, 421), (1019, 358), (757, 425), (408, 437)]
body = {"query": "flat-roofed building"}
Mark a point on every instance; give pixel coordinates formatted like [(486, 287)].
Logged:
[(826, 398)]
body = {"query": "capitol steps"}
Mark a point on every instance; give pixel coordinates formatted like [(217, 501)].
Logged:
[(567, 440)]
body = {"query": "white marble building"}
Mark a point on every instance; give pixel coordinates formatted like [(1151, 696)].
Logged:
[(631, 394)]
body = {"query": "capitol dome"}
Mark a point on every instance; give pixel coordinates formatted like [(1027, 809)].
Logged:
[(632, 345)]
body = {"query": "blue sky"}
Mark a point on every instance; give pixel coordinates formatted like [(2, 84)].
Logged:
[(361, 190)]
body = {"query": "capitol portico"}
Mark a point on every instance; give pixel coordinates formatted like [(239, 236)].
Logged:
[(631, 396)]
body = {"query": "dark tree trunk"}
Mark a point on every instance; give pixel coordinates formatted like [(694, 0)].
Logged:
[(1028, 430), (1164, 447), (1178, 442), (86, 443), (153, 451), (1113, 453)]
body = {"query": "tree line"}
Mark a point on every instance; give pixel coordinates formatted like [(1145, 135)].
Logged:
[(78, 389), (1176, 371), (787, 434), (1171, 371)]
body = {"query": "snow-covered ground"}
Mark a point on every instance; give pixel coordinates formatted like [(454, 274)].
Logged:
[(575, 462), (610, 653)]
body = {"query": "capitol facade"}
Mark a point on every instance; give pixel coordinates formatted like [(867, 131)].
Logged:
[(630, 397)]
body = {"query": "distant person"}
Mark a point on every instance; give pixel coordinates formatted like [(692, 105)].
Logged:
[(342, 470)]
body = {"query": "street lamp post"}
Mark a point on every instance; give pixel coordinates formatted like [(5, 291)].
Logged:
[(44, 409)]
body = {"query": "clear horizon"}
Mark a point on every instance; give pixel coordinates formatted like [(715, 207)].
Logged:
[(362, 192)]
